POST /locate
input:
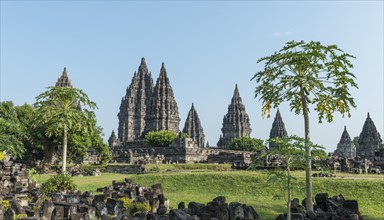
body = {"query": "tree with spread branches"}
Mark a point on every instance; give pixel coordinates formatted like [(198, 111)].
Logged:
[(303, 74), (61, 110)]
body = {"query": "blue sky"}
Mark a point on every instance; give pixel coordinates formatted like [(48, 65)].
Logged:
[(207, 48)]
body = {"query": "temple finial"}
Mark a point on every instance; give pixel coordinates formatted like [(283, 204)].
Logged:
[(345, 127), (236, 92), (368, 115)]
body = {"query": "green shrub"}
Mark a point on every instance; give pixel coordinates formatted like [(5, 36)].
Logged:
[(58, 183), (246, 144), (135, 207), (160, 138), (32, 174)]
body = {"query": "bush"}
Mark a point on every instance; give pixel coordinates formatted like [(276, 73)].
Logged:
[(160, 138), (58, 183), (246, 144), (2, 156), (32, 174), (105, 154), (135, 207)]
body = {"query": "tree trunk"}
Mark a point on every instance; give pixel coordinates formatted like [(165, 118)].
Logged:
[(289, 194), (65, 140), (49, 150), (308, 171)]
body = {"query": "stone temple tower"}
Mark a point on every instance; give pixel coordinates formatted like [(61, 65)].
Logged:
[(63, 80), (369, 140), (193, 127), (345, 148), (112, 141), (278, 129), (162, 112), (133, 107), (235, 122)]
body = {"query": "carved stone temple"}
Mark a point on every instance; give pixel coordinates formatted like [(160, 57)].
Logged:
[(133, 107), (146, 108), (278, 129), (345, 148), (370, 141), (63, 80), (162, 112), (193, 127), (235, 122)]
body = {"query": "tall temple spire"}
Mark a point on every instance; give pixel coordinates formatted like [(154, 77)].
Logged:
[(345, 148), (236, 122), (236, 93), (134, 104), (369, 140), (193, 127), (112, 141), (278, 128), (63, 80), (162, 112)]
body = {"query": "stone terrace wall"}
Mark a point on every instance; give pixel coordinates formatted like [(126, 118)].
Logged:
[(180, 151)]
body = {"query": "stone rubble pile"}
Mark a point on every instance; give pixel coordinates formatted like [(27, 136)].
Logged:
[(216, 209), (13, 176), (74, 205), (335, 208)]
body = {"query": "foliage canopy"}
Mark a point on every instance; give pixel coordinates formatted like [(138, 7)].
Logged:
[(61, 110), (160, 138), (321, 72), (246, 144)]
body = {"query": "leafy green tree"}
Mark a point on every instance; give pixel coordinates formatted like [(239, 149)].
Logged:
[(246, 144), (18, 136), (34, 139), (61, 110), (321, 154), (304, 74), (160, 138), (12, 131), (291, 150)]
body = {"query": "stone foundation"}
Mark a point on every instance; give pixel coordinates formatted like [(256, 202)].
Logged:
[(182, 150)]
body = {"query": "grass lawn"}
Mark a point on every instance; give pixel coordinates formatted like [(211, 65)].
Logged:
[(247, 187)]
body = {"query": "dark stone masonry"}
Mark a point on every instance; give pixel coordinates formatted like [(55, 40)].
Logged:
[(193, 127), (236, 122), (367, 156), (345, 148), (146, 108), (135, 105), (369, 140), (278, 129)]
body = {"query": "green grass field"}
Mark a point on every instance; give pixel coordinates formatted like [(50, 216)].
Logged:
[(249, 187)]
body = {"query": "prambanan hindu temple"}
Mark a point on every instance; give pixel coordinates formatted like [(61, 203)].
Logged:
[(147, 107)]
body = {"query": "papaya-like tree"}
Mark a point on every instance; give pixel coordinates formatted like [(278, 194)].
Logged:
[(291, 151), (62, 110), (304, 74)]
